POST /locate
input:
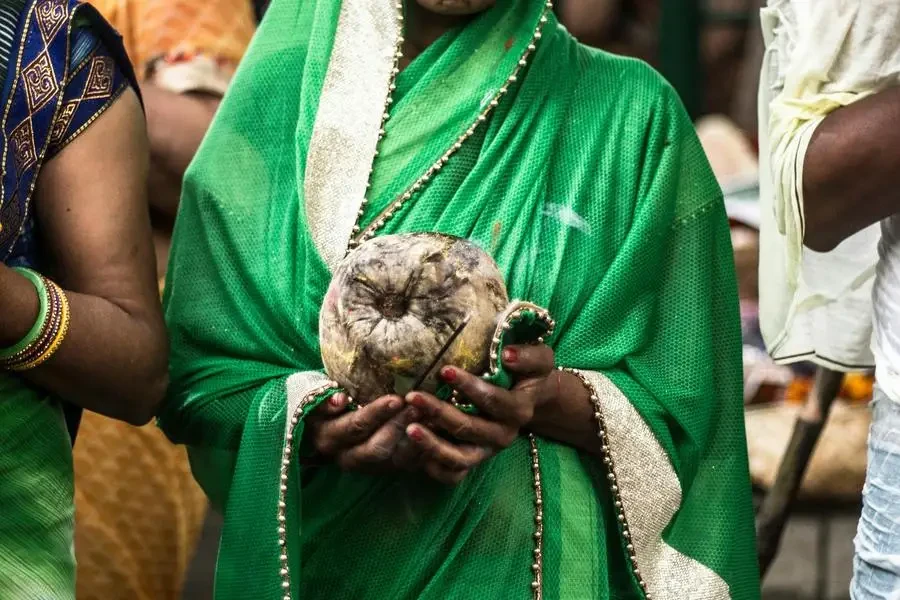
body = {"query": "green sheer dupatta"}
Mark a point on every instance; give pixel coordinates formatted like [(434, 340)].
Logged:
[(37, 510), (588, 186)]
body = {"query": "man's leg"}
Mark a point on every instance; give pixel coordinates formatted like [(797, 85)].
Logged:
[(876, 565)]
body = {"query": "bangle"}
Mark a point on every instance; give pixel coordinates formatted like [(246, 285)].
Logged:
[(48, 331), (56, 340), (52, 333), (34, 333)]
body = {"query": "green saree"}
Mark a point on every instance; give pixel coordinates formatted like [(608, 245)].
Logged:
[(587, 185)]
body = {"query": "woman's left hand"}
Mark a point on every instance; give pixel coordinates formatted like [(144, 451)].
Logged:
[(503, 413)]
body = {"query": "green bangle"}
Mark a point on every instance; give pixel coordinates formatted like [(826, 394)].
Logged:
[(43, 300)]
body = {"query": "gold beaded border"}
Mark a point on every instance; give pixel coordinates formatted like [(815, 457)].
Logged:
[(284, 569), (512, 312), (504, 323), (367, 233), (392, 86), (613, 480), (537, 565)]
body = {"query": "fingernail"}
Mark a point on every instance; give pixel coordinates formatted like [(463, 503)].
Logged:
[(417, 400), (448, 374), (395, 404), (336, 400), (414, 433), (510, 355)]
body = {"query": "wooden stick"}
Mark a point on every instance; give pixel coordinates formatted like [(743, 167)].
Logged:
[(776, 507)]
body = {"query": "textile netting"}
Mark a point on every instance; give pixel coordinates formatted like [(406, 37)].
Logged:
[(589, 188)]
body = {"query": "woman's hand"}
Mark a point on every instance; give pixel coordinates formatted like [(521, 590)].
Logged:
[(503, 412), (369, 439)]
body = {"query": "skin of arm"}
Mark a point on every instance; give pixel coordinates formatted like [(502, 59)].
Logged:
[(96, 232), (176, 124), (852, 170), (590, 20)]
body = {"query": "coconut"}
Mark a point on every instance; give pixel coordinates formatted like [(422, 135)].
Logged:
[(395, 302)]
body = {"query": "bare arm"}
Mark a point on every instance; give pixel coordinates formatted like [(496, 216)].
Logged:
[(851, 173), (176, 125), (590, 20), (91, 206)]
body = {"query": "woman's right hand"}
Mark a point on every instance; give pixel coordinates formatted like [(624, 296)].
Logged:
[(369, 439)]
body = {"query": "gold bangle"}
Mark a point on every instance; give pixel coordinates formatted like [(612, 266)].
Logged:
[(45, 337), (64, 317)]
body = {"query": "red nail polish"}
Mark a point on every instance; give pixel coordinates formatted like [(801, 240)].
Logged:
[(415, 434), (448, 374), (510, 355), (336, 400), (418, 400)]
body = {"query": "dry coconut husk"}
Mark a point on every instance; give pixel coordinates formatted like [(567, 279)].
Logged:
[(393, 304), (837, 469)]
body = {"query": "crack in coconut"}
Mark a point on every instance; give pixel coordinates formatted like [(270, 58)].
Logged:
[(394, 302)]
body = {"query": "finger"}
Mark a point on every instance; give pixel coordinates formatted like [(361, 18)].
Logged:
[(334, 406), (497, 402), (355, 427), (451, 456), (381, 446), (383, 443), (438, 472), (531, 361), (407, 456), (464, 427)]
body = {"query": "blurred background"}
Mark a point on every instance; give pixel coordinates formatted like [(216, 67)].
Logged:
[(711, 52)]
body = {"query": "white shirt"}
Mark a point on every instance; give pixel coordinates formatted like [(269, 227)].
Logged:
[(821, 55), (886, 301)]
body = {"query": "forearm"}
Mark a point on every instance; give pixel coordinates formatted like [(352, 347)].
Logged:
[(590, 20), (176, 125), (19, 307), (851, 170), (567, 415), (112, 360), (163, 188)]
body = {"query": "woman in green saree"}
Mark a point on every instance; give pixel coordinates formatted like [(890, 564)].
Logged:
[(580, 174)]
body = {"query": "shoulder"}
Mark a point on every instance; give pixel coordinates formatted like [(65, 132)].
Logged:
[(628, 110), (635, 91), (617, 97), (593, 84)]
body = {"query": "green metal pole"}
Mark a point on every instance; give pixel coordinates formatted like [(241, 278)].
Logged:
[(679, 47)]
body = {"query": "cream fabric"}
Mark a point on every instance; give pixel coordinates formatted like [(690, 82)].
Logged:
[(651, 496), (886, 303), (820, 55), (299, 387), (345, 134)]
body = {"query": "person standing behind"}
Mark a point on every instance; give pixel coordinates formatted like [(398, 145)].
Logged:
[(135, 497), (830, 237)]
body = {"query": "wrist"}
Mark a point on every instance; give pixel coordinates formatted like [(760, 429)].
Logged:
[(19, 306), (565, 412)]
